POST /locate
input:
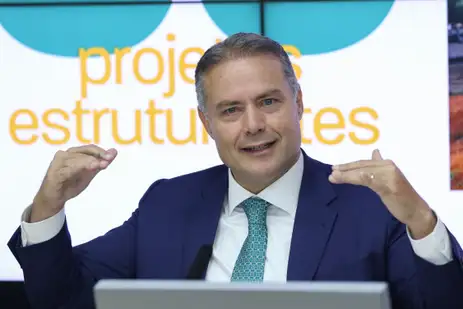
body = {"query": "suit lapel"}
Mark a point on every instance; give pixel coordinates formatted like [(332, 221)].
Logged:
[(313, 223), (203, 216)]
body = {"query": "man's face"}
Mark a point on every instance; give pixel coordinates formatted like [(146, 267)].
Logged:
[(254, 118)]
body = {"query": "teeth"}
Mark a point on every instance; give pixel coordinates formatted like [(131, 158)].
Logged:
[(260, 147)]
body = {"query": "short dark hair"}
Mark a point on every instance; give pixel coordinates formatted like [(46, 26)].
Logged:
[(237, 46)]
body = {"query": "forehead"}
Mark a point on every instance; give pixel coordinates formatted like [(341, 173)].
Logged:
[(244, 78)]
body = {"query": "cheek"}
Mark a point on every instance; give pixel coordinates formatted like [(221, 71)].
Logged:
[(226, 135), (279, 122), (285, 124)]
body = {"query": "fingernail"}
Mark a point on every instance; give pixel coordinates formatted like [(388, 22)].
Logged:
[(107, 156)]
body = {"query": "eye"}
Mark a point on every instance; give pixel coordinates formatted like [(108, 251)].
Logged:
[(230, 110), (268, 102)]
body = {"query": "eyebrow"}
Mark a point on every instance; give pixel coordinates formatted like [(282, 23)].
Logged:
[(268, 93), (227, 103)]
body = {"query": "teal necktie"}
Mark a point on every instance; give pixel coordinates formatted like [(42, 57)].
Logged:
[(250, 264)]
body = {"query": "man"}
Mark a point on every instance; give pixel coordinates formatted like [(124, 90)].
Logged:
[(360, 221)]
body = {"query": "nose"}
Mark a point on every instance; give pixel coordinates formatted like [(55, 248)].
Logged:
[(254, 121)]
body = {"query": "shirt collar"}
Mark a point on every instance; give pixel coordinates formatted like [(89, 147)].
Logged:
[(283, 193)]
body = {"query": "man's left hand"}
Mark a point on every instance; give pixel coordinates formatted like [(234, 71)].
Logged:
[(386, 179)]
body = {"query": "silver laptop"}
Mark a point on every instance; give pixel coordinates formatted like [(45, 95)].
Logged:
[(153, 294)]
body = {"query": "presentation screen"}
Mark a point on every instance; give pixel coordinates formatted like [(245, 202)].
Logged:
[(374, 74)]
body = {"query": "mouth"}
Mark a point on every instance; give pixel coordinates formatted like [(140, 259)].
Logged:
[(259, 147)]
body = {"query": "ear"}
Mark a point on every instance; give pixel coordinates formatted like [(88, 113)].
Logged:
[(205, 122), (300, 104)]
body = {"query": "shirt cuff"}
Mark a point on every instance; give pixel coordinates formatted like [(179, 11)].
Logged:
[(38, 232), (434, 248)]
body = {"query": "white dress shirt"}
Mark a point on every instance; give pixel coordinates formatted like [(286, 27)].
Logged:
[(233, 228)]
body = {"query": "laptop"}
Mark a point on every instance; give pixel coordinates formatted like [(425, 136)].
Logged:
[(166, 294)]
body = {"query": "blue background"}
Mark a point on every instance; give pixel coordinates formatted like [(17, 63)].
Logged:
[(313, 27)]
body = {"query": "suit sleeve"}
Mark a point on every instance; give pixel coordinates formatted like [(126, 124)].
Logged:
[(56, 275), (419, 284)]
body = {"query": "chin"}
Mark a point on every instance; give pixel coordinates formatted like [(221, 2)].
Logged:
[(262, 170)]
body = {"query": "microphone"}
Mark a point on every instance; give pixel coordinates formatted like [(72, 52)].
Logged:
[(199, 265)]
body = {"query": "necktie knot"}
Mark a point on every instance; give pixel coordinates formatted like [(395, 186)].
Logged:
[(256, 210)]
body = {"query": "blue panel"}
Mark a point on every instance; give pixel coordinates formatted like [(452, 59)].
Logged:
[(235, 17), (70, 1), (321, 27), (228, 1), (61, 30)]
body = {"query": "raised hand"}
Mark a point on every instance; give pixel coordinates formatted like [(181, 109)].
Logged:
[(386, 179), (69, 173)]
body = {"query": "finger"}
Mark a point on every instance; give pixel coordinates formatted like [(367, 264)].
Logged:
[(63, 158), (359, 165), (376, 155), (77, 162), (363, 177), (95, 151), (74, 164)]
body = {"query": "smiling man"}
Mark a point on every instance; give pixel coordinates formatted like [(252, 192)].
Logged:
[(270, 212), (252, 112)]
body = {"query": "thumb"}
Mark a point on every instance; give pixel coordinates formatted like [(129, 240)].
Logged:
[(376, 156)]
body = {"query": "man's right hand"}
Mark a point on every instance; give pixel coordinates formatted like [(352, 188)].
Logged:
[(68, 175)]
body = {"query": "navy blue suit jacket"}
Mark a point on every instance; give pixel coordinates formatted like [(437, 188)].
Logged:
[(341, 232)]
